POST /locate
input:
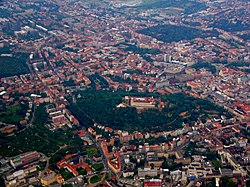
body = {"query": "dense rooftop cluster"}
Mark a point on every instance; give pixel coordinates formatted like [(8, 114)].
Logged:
[(52, 52)]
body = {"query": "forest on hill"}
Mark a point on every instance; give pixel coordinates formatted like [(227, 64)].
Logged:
[(101, 107)]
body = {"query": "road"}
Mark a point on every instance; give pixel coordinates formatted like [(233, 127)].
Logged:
[(46, 167), (104, 160), (46, 87)]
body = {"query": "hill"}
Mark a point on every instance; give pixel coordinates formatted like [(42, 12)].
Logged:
[(179, 108)]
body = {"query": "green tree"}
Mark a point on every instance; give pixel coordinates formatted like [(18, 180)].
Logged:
[(231, 184), (2, 181), (67, 185), (217, 164)]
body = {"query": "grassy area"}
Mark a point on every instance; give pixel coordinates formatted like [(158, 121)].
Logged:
[(95, 179), (82, 171), (91, 151), (66, 174), (98, 167), (42, 165), (12, 66)]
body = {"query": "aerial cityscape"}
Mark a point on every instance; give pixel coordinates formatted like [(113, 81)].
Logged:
[(134, 93)]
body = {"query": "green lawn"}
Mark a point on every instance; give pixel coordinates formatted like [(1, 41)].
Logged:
[(97, 167), (42, 165), (82, 171), (91, 151), (94, 179), (66, 174)]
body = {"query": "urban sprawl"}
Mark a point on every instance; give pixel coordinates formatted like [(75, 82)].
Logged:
[(53, 52)]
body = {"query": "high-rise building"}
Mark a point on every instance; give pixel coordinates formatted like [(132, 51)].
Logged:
[(167, 58)]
